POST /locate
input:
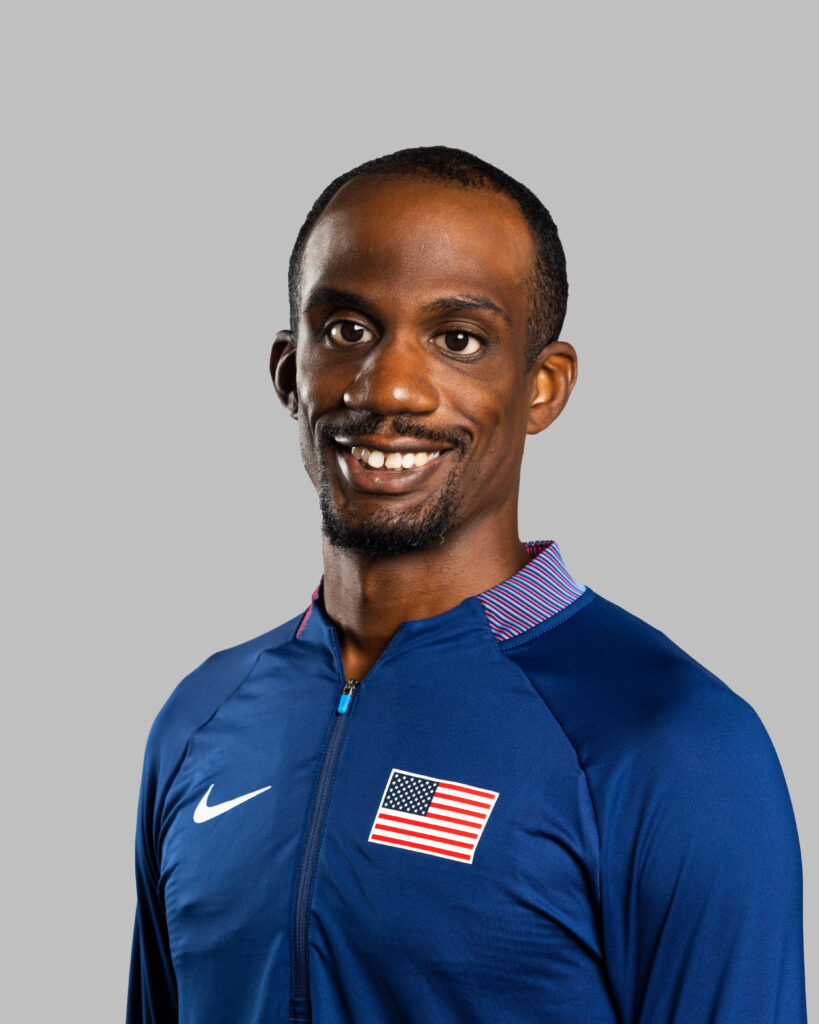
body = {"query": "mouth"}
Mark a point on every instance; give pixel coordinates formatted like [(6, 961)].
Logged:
[(394, 461), (390, 469)]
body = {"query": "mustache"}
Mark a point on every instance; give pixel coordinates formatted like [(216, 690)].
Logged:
[(359, 424)]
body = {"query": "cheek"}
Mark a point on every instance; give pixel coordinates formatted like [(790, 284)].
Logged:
[(308, 452), (310, 409), (320, 384), (500, 436), (306, 383), (500, 414)]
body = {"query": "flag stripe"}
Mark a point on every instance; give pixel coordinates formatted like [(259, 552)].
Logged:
[(474, 826), (435, 842), (460, 821), (440, 805), (464, 789), (460, 799), (423, 835), (429, 849), (438, 828)]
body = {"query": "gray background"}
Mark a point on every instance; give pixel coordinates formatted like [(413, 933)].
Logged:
[(159, 161)]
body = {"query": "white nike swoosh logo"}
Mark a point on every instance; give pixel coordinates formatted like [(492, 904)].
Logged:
[(205, 813)]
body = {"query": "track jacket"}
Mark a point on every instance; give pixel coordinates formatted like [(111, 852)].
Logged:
[(534, 808)]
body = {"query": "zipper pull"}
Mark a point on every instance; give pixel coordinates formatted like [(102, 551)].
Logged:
[(346, 696)]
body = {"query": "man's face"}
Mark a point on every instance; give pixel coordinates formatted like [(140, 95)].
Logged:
[(413, 395)]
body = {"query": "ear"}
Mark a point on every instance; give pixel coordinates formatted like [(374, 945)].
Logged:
[(283, 371), (553, 377)]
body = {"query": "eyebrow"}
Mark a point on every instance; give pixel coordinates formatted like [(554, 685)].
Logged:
[(327, 296), (467, 302)]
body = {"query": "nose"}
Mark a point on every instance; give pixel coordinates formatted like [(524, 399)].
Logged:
[(394, 378)]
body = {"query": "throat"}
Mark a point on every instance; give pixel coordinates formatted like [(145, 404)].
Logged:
[(368, 599), (358, 661)]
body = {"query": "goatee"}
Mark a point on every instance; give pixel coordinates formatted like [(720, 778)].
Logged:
[(385, 532)]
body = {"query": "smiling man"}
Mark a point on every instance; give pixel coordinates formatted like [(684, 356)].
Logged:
[(460, 786)]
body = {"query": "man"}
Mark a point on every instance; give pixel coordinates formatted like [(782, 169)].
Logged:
[(460, 786)]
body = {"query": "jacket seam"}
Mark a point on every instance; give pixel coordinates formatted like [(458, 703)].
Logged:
[(590, 792), (596, 815), (178, 766), (555, 620), (186, 750)]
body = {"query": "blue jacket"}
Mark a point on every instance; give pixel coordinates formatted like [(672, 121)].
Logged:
[(578, 823)]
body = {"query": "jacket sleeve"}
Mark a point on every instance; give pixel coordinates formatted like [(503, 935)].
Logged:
[(704, 905), (152, 995)]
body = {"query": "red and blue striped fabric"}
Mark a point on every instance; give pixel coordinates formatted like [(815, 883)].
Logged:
[(539, 590), (306, 616)]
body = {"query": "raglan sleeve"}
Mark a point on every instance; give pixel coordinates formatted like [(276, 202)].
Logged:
[(152, 994), (703, 901)]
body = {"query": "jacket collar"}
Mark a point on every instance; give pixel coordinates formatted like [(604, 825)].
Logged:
[(542, 588)]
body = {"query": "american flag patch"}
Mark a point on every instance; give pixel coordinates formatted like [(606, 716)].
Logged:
[(436, 816)]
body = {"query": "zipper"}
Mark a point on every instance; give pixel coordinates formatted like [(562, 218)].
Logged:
[(300, 1002)]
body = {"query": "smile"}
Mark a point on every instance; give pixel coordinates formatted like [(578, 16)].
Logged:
[(376, 459), (388, 470)]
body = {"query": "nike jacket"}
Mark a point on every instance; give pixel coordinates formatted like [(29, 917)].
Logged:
[(534, 808)]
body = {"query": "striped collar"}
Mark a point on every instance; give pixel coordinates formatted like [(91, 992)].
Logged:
[(542, 588)]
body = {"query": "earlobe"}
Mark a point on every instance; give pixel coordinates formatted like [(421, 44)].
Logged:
[(553, 378), (283, 371)]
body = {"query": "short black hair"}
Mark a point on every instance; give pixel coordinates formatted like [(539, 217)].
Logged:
[(548, 285)]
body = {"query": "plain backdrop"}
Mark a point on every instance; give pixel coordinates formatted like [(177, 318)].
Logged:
[(159, 160)]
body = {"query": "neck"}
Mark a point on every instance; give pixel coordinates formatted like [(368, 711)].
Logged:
[(368, 597)]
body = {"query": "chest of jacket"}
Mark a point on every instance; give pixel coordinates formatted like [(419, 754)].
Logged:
[(402, 860)]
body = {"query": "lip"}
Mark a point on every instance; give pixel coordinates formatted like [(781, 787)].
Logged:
[(398, 444), (386, 481)]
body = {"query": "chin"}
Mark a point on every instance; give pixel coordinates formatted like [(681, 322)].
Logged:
[(386, 532)]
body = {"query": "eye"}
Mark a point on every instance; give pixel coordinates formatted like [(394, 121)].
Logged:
[(460, 343), (348, 332)]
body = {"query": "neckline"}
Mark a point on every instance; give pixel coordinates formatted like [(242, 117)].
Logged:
[(541, 589)]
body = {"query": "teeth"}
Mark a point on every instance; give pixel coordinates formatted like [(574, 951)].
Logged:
[(392, 460)]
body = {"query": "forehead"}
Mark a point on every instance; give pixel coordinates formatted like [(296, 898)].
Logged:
[(409, 238)]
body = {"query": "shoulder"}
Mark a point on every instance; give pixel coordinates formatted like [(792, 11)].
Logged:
[(676, 760), (202, 692), (700, 870), (624, 692)]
